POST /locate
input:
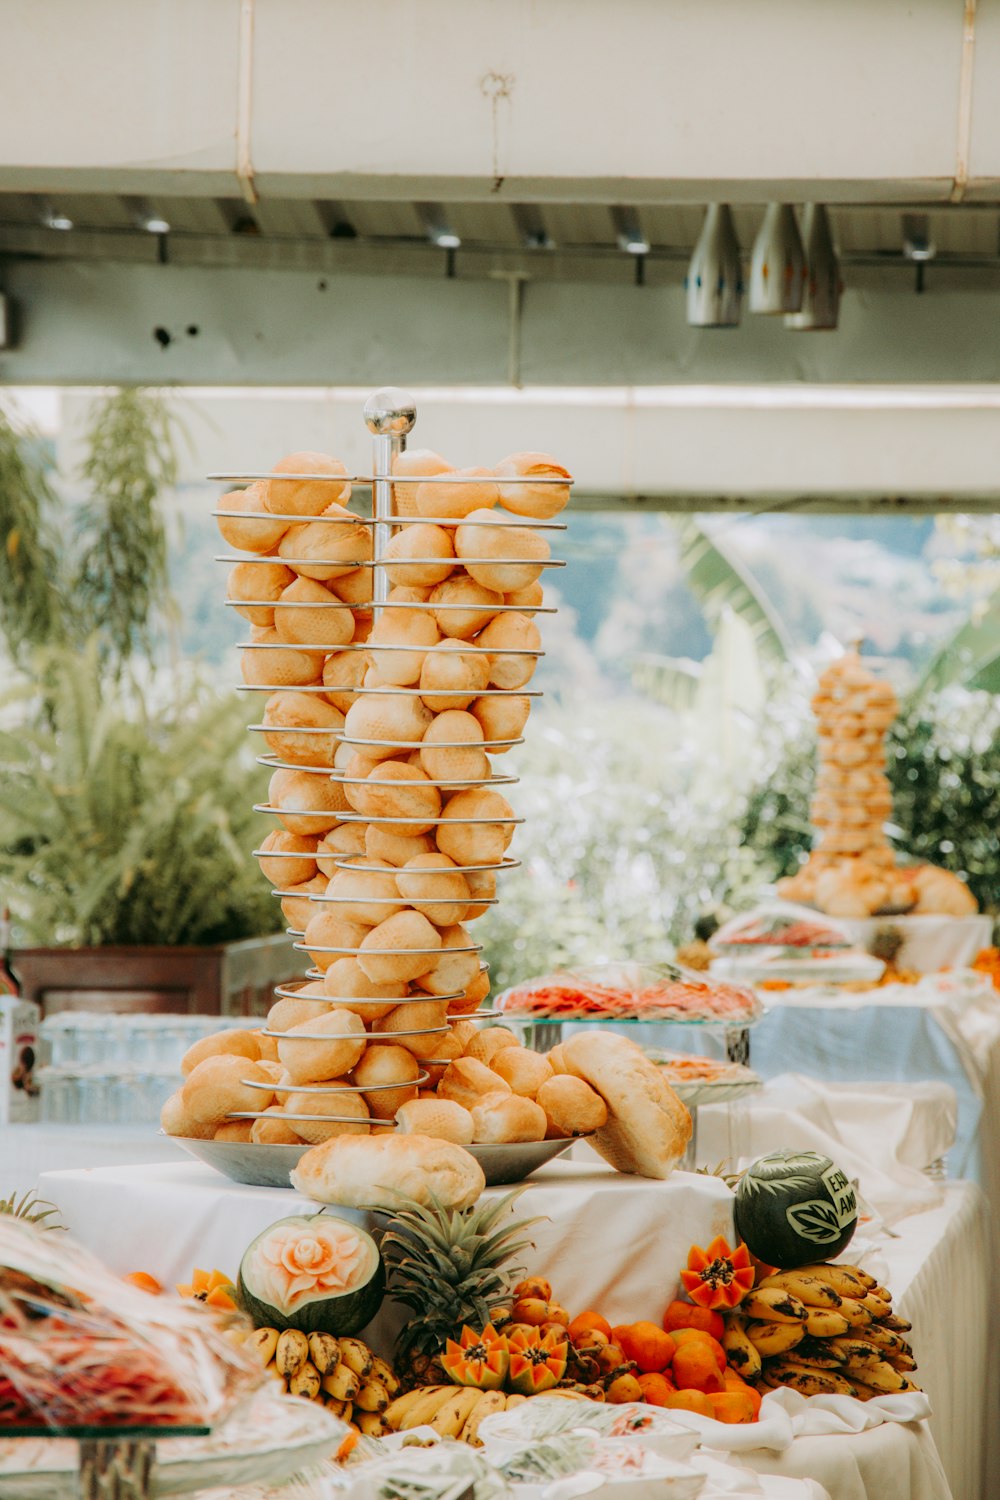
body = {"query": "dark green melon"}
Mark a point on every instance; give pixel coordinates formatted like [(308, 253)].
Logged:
[(793, 1208), (341, 1261)]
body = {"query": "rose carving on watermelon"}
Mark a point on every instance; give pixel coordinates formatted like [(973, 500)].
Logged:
[(718, 1277), (537, 1361), (477, 1359)]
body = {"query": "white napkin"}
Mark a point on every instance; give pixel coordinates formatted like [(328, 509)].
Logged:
[(786, 1415)]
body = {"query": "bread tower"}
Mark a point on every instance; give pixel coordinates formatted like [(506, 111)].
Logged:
[(394, 653)]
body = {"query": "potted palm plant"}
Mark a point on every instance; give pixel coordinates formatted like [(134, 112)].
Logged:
[(125, 791)]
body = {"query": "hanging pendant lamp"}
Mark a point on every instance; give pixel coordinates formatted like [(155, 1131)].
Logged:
[(714, 280), (823, 286), (777, 263)]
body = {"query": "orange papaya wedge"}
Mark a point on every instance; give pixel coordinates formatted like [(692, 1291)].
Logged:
[(718, 1277)]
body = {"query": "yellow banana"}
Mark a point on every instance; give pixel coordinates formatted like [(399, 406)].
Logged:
[(489, 1403), (398, 1409), (341, 1383), (386, 1374), (291, 1352), (372, 1396), (884, 1338), (357, 1357), (875, 1305), (847, 1281), (857, 1353), (337, 1407), (324, 1351), (774, 1338), (855, 1312), (821, 1324), (814, 1291), (883, 1378), (905, 1363), (515, 1400), (818, 1354), (896, 1325), (449, 1419), (773, 1305), (741, 1354), (263, 1342), (425, 1409), (305, 1382), (371, 1423), (274, 1372), (810, 1382), (348, 1414)]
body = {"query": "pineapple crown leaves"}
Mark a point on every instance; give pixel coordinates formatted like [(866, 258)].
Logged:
[(30, 1210)]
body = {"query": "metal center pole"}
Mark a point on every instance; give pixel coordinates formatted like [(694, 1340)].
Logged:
[(390, 414)]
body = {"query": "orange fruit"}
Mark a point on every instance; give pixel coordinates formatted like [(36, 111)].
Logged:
[(587, 1322), (695, 1368), (688, 1400), (686, 1315), (732, 1406), (736, 1382), (656, 1388), (145, 1282), (647, 1344), (687, 1336)]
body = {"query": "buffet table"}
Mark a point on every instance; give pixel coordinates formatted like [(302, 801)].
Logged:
[(608, 1241)]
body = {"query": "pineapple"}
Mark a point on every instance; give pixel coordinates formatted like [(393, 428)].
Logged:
[(451, 1267), (30, 1210), (886, 943)]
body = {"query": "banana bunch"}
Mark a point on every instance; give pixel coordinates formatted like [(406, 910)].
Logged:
[(823, 1330), (455, 1411), (351, 1380)]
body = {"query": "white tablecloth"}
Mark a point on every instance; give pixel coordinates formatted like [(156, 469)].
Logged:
[(26, 1151)]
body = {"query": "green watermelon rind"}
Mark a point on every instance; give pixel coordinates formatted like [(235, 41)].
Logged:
[(342, 1315), (763, 1210)]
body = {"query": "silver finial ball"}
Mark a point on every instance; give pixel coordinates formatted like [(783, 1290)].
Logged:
[(390, 412)]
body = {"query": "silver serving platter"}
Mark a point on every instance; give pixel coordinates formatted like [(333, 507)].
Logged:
[(270, 1166)]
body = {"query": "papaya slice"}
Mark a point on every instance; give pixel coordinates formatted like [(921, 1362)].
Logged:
[(718, 1277), (537, 1361), (221, 1296), (476, 1359)]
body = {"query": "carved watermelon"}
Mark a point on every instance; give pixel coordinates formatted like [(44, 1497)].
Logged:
[(793, 1208), (313, 1272)]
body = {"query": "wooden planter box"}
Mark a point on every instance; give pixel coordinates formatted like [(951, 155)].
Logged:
[(230, 979)]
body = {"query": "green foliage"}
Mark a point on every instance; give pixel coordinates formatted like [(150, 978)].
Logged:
[(32, 605), (30, 1209), (720, 582), (124, 819), (121, 571), (971, 656)]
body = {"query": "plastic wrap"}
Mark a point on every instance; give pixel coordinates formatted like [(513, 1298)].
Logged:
[(779, 925), (81, 1349), (631, 992)]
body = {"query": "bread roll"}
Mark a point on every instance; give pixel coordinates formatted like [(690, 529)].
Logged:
[(483, 888), (527, 600), (343, 674), (355, 588), (452, 500), (340, 1102), (258, 581), (417, 1016), (236, 1131), (286, 712), (220, 1086), (307, 802), (500, 1118), (385, 952), (454, 969), (571, 1106), (373, 1172), (394, 789), (525, 1071), (384, 1063), (329, 624), (466, 1081), (364, 894), (539, 501), (345, 842), (473, 996), (504, 556), (648, 1128), (296, 859), (279, 666), (423, 544), (308, 1060), (327, 930), (246, 533), (421, 461), (485, 1045), (442, 1119), (274, 1130), (271, 1067), (475, 842), (451, 677), (177, 1119), (379, 724), (235, 1043), (463, 606), (431, 885), (324, 550), (412, 632), (510, 632), (297, 908), (307, 1003), (452, 748), (396, 848), (502, 719), (268, 1053), (306, 497), (350, 988)]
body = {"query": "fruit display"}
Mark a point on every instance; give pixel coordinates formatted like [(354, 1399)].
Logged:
[(791, 1205), (852, 871), (822, 1330), (395, 657), (311, 1273), (781, 926), (344, 1374), (630, 992)]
